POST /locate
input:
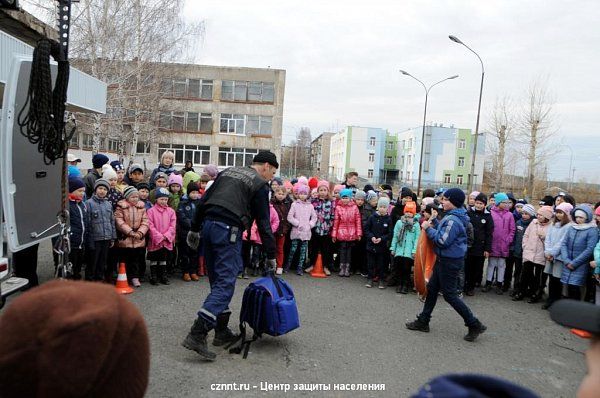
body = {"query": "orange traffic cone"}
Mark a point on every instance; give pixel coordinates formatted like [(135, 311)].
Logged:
[(317, 271), (122, 285), (581, 333)]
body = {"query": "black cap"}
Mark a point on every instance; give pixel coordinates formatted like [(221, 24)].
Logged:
[(577, 314), (481, 198), (266, 157)]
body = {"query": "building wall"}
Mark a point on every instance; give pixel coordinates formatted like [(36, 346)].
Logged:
[(351, 149), (319, 154)]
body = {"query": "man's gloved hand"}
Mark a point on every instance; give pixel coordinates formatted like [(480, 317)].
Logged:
[(193, 239), (271, 265)]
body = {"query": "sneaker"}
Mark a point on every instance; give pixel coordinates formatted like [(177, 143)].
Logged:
[(136, 282), (326, 270), (369, 283), (382, 285), (309, 269), (376, 279), (418, 325), (475, 331), (347, 271), (279, 271), (364, 275), (299, 272), (186, 277)]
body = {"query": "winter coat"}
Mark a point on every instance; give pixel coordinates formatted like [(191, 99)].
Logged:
[(147, 204), (114, 197), (274, 220), (131, 218), (347, 225), (517, 245), (89, 180), (378, 226), (168, 170), (554, 237), (449, 236), (504, 232), (404, 241), (282, 208), (121, 186), (174, 200), (533, 242), (185, 215), (483, 231), (325, 212), (100, 220), (577, 249), (162, 222), (303, 218), (78, 222), (366, 213), (597, 259)]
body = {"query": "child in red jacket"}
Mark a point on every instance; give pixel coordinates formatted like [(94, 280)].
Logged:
[(347, 228)]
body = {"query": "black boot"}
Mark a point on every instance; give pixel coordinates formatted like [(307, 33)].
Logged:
[(419, 325), (475, 331), (499, 289), (196, 340), (153, 274), (404, 289), (162, 274), (224, 335), (487, 287)]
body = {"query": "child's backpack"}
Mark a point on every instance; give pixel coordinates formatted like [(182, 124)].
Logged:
[(268, 307)]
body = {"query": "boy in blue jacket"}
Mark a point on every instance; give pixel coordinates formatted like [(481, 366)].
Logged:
[(378, 232), (185, 214), (77, 219), (449, 238)]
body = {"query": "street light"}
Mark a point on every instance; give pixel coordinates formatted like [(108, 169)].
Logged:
[(424, 116), (472, 173)]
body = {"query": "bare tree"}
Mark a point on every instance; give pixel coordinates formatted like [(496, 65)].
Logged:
[(536, 129), (501, 128)]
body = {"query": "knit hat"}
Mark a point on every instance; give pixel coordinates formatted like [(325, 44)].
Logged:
[(302, 180), (481, 198), (428, 193), (521, 202), (287, 184), (300, 189), (313, 182), (108, 172), (130, 190), (360, 195), (410, 206), (277, 180), (101, 182), (474, 194), (162, 193), (68, 338), (136, 167), (266, 157), (383, 202), (323, 183), (211, 170), (547, 201), (143, 185), (99, 160), (192, 186), (546, 212), (440, 191), (371, 195), (160, 174), (405, 191), (456, 196), (116, 165), (175, 179), (500, 197), (73, 171), (428, 200), (565, 207), (368, 188), (579, 213), (597, 212), (346, 193), (338, 187), (75, 183), (529, 209)]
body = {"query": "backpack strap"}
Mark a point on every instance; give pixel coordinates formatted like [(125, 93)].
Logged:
[(255, 299), (276, 283)]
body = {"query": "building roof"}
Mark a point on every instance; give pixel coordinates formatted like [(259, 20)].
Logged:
[(25, 27)]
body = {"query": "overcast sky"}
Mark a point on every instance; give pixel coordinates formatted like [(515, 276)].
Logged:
[(342, 60)]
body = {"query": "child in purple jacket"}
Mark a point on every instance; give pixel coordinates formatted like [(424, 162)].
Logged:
[(504, 232)]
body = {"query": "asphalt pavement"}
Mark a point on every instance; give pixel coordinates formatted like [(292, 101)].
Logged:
[(350, 334)]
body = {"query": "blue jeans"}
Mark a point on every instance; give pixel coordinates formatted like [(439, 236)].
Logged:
[(223, 261), (445, 279)]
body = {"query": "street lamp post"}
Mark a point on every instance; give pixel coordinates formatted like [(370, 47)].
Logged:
[(472, 173), (424, 117)]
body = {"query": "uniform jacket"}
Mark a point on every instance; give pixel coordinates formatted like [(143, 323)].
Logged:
[(554, 237), (577, 248), (100, 220), (504, 232), (347, 224), (161, 222), (185, 215), (130, 218), (325, 212), (378, 226), (274, 218), (78, 221), (483, 231), (404, 241), (517, 245), (533, 242), (282, 208), (449, 236), (303, 218)]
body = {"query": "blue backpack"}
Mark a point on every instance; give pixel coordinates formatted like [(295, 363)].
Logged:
[(268, 306)]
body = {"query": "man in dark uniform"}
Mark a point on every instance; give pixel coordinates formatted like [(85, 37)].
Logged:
[(237, 196)]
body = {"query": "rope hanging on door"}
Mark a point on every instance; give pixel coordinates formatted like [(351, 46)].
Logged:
[(42, 119)]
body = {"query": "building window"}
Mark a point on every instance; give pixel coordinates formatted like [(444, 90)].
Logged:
[(178, 119), (462, 143), (88, 141), (198, 154), (166, 87), (164, 120), (259, 125), (179, 88), (74, 141), (142, 148), (390, 146), (410, 159), (370, 173), (191, 121), (371, 157), (389, 160), (227, 90), (229, 157), (447, 179), (232, 124), (247, 91), (206, 122), (410, 142), (459, 179), (372, 141), (194, 88), (207, 89), (461, 162), (113, 145)]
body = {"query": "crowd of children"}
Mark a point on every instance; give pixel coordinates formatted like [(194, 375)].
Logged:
[(550, 251)]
